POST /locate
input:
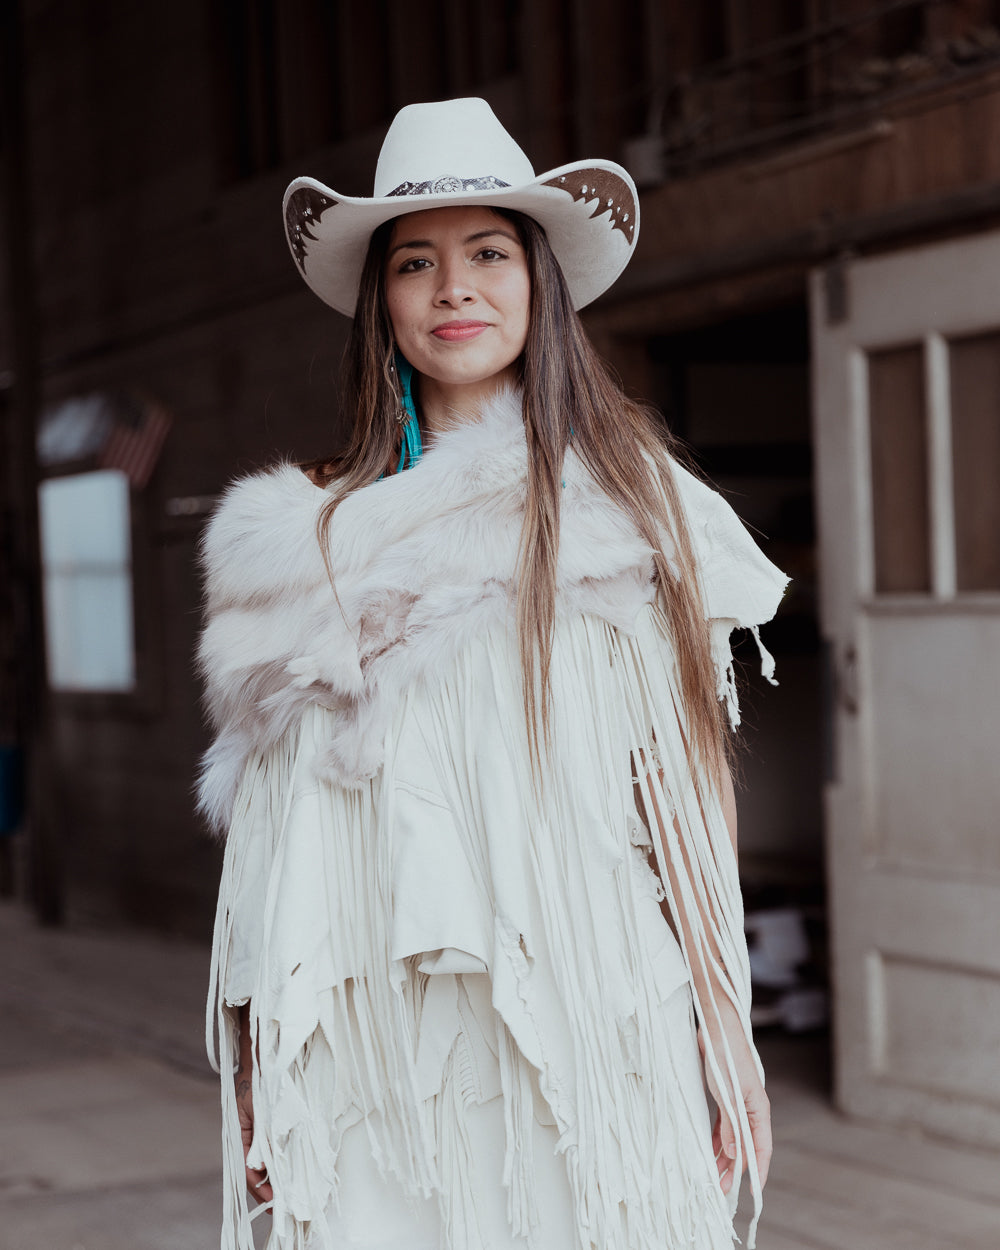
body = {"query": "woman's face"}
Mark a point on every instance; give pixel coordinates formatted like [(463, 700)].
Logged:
[(458, 292)]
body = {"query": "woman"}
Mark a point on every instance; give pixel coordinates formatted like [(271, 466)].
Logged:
[(479, 944)]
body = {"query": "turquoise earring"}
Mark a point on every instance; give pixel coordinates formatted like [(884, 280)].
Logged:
[(412, 448)]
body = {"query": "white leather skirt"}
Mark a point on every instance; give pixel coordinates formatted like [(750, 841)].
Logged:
[(375, 1213)]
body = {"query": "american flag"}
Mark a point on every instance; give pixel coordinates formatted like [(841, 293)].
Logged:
[(135, 450)]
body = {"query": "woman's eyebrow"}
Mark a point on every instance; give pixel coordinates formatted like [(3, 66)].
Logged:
[(473, 238)]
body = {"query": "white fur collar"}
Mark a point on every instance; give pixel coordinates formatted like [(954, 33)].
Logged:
[(422, 562)]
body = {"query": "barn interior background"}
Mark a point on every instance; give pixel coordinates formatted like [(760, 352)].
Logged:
[(813, 306)]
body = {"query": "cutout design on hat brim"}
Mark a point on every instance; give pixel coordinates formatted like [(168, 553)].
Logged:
[(449, 184), (305, 206), (613, 195)]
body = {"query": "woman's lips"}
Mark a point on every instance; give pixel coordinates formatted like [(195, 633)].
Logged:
[(459, 331)]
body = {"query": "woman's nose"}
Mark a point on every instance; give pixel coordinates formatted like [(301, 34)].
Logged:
[(454, 287)]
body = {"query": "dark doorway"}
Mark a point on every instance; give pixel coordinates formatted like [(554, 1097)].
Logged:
[(737, 392)]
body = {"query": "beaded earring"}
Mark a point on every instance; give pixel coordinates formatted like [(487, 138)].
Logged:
[(412, 448)]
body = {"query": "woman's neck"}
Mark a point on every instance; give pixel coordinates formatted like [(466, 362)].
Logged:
[(444, 405)]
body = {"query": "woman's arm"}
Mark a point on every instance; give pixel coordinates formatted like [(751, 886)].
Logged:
[(728, 1024), (752, 1091), (257, 1183)]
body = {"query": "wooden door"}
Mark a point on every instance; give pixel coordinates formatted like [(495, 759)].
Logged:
[(906, 382)]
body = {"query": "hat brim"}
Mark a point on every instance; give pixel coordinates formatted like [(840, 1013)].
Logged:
[(589, 211)]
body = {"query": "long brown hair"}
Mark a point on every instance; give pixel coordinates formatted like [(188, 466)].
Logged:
[(624, 444)]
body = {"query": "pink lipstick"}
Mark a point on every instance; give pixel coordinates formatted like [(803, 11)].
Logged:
[(459, 331)]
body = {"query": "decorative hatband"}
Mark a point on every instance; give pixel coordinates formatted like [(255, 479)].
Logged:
[(449, 185)]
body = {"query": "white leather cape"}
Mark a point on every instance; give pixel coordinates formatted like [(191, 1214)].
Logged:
[(384, 836)]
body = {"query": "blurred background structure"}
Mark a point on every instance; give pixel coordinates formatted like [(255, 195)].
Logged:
[(814, 304)]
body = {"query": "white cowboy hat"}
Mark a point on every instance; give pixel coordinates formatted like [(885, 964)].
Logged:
[(456, 152)]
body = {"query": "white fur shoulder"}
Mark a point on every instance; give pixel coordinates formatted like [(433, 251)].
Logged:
[(421, 561), (253, 546)]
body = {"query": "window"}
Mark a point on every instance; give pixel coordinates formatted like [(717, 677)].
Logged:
[(85, 524), (934, 427), (900, 489), (975, 444)]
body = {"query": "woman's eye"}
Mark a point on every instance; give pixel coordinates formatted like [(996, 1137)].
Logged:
[(492, 253), (413, 265)]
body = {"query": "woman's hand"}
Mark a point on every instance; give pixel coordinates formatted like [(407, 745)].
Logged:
[(751, 1092), (257, 1183)]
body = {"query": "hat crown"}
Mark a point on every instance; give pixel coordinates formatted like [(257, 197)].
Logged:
[(450, 142)]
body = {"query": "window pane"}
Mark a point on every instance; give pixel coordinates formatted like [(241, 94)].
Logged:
[(88, 581), (85, 519), (899, 470), (89, 628), (975, 437)]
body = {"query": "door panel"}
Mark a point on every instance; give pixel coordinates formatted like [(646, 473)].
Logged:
[(933, 776), (906, 403), (938, 1051)]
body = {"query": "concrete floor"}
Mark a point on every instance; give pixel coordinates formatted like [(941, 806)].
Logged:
[(109, 1134), (839, 1184)]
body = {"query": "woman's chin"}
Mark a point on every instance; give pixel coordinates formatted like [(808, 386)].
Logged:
[(465, 375)]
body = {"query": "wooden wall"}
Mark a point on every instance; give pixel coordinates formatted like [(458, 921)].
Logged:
[(160, 144)]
